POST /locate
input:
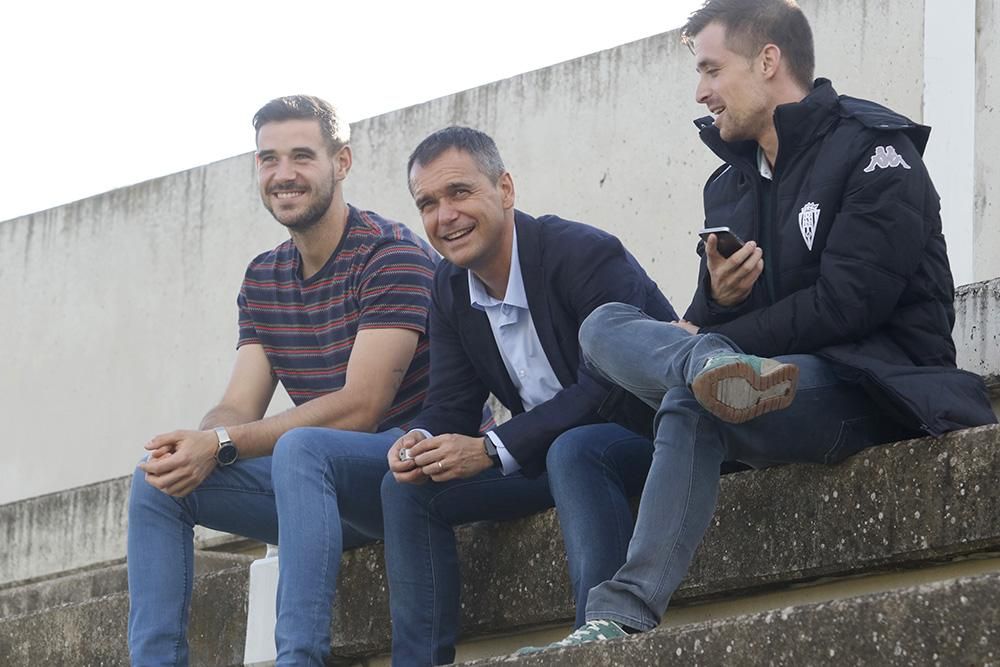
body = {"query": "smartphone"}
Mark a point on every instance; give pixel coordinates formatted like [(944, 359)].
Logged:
[(727, 242)]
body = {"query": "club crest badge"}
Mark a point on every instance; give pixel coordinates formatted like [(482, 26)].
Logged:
[(808, 221)]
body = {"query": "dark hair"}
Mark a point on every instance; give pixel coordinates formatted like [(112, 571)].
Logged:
[(477, 144), (751, 24), (335, 129)]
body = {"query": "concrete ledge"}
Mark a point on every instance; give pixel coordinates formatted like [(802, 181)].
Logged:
[(893, 507), (946, 623), (86, 585), (899, 506), (977, 330), (76, 529), (94, 632)]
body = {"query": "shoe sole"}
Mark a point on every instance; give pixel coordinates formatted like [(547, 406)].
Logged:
[(735, 393)]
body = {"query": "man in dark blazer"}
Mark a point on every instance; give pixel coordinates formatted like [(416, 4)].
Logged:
[(508, 302)]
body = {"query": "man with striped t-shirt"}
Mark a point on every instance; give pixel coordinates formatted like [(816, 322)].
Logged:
[(338, 314)]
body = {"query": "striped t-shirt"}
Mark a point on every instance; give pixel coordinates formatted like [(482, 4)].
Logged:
[(379, 277)]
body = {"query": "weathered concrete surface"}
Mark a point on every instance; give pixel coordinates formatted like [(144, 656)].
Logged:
[(95, 632), (75, 529), (146, 276), (894, 507), (987, 186), (63, 531), (897, 506), (94, 583), (947, 623), (977, 330)]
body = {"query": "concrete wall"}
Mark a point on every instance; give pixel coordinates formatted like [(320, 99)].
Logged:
[(121, 315), (987, 190)]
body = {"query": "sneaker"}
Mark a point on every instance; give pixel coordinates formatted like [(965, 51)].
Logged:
[(739, 387), (591, 631)]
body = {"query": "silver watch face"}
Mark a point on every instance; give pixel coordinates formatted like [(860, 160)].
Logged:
[(227, 454)]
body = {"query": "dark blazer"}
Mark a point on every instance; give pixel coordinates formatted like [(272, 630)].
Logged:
[(569, 269)]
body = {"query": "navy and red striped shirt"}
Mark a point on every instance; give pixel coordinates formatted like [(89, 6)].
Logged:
[(379, 277)]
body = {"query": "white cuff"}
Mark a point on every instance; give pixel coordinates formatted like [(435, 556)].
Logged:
[(508, 464)]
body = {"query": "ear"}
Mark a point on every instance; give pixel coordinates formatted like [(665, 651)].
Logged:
[(769, 60), (342, 161), (506, 186)]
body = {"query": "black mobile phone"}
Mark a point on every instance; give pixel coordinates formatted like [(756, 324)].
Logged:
[(727, 242)]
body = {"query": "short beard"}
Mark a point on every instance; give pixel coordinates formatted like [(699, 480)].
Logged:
[(308, 218)]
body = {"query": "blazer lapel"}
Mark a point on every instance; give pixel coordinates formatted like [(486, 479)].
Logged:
[(530, 251), (481, 347)]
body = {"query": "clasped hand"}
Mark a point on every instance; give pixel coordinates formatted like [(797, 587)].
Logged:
[(180, 460), (440, 458)]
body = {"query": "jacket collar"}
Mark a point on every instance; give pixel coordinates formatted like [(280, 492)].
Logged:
[(798, 124)]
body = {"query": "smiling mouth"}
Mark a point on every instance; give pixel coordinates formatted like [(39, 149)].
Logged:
[(288, 194), (717, 111), (461, 233)]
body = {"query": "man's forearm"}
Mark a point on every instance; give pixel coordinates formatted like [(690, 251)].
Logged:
[(334, 410), (224, 415)]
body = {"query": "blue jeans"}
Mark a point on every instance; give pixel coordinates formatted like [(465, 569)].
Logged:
[(831, 418), (316, 496), (592, 471)]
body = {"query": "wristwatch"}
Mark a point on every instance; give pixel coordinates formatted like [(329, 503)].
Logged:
[(227, 453), (491, 451)]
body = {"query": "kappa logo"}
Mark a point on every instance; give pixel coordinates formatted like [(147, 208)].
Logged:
[(885, 157), (808, 221)]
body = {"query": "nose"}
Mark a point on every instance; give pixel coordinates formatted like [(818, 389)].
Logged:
[(701, 91), (445, 211), (285, 170)]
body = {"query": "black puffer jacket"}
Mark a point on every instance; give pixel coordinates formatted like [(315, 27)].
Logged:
[(856, 268)]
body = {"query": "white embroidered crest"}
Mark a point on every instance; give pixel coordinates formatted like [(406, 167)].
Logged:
[(885, 157), (808, 220)]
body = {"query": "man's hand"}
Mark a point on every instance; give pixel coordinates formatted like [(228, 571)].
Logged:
[(444, 457), (732, 278), (405, 470), (180, 460)]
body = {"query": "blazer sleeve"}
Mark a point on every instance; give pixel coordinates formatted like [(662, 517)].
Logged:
[(456, 393)]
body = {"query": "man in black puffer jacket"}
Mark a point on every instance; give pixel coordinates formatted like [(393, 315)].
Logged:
[(828, 331)]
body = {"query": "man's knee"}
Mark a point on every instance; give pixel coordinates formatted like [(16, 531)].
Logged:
[(400, 498), (142, 494), (570, 450), (594, 330), (292, 445)]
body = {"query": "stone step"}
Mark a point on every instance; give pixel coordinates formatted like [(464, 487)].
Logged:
[(899, 506), (907, 505), (82, 586), (94, 632), (76, 530), (952, 622)]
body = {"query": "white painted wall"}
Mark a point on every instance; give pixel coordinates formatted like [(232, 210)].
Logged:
[(986, 230), (120, 318), (949, 108)]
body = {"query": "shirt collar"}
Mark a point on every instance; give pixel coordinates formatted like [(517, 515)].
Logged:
[(515, 294), (762, 166)]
